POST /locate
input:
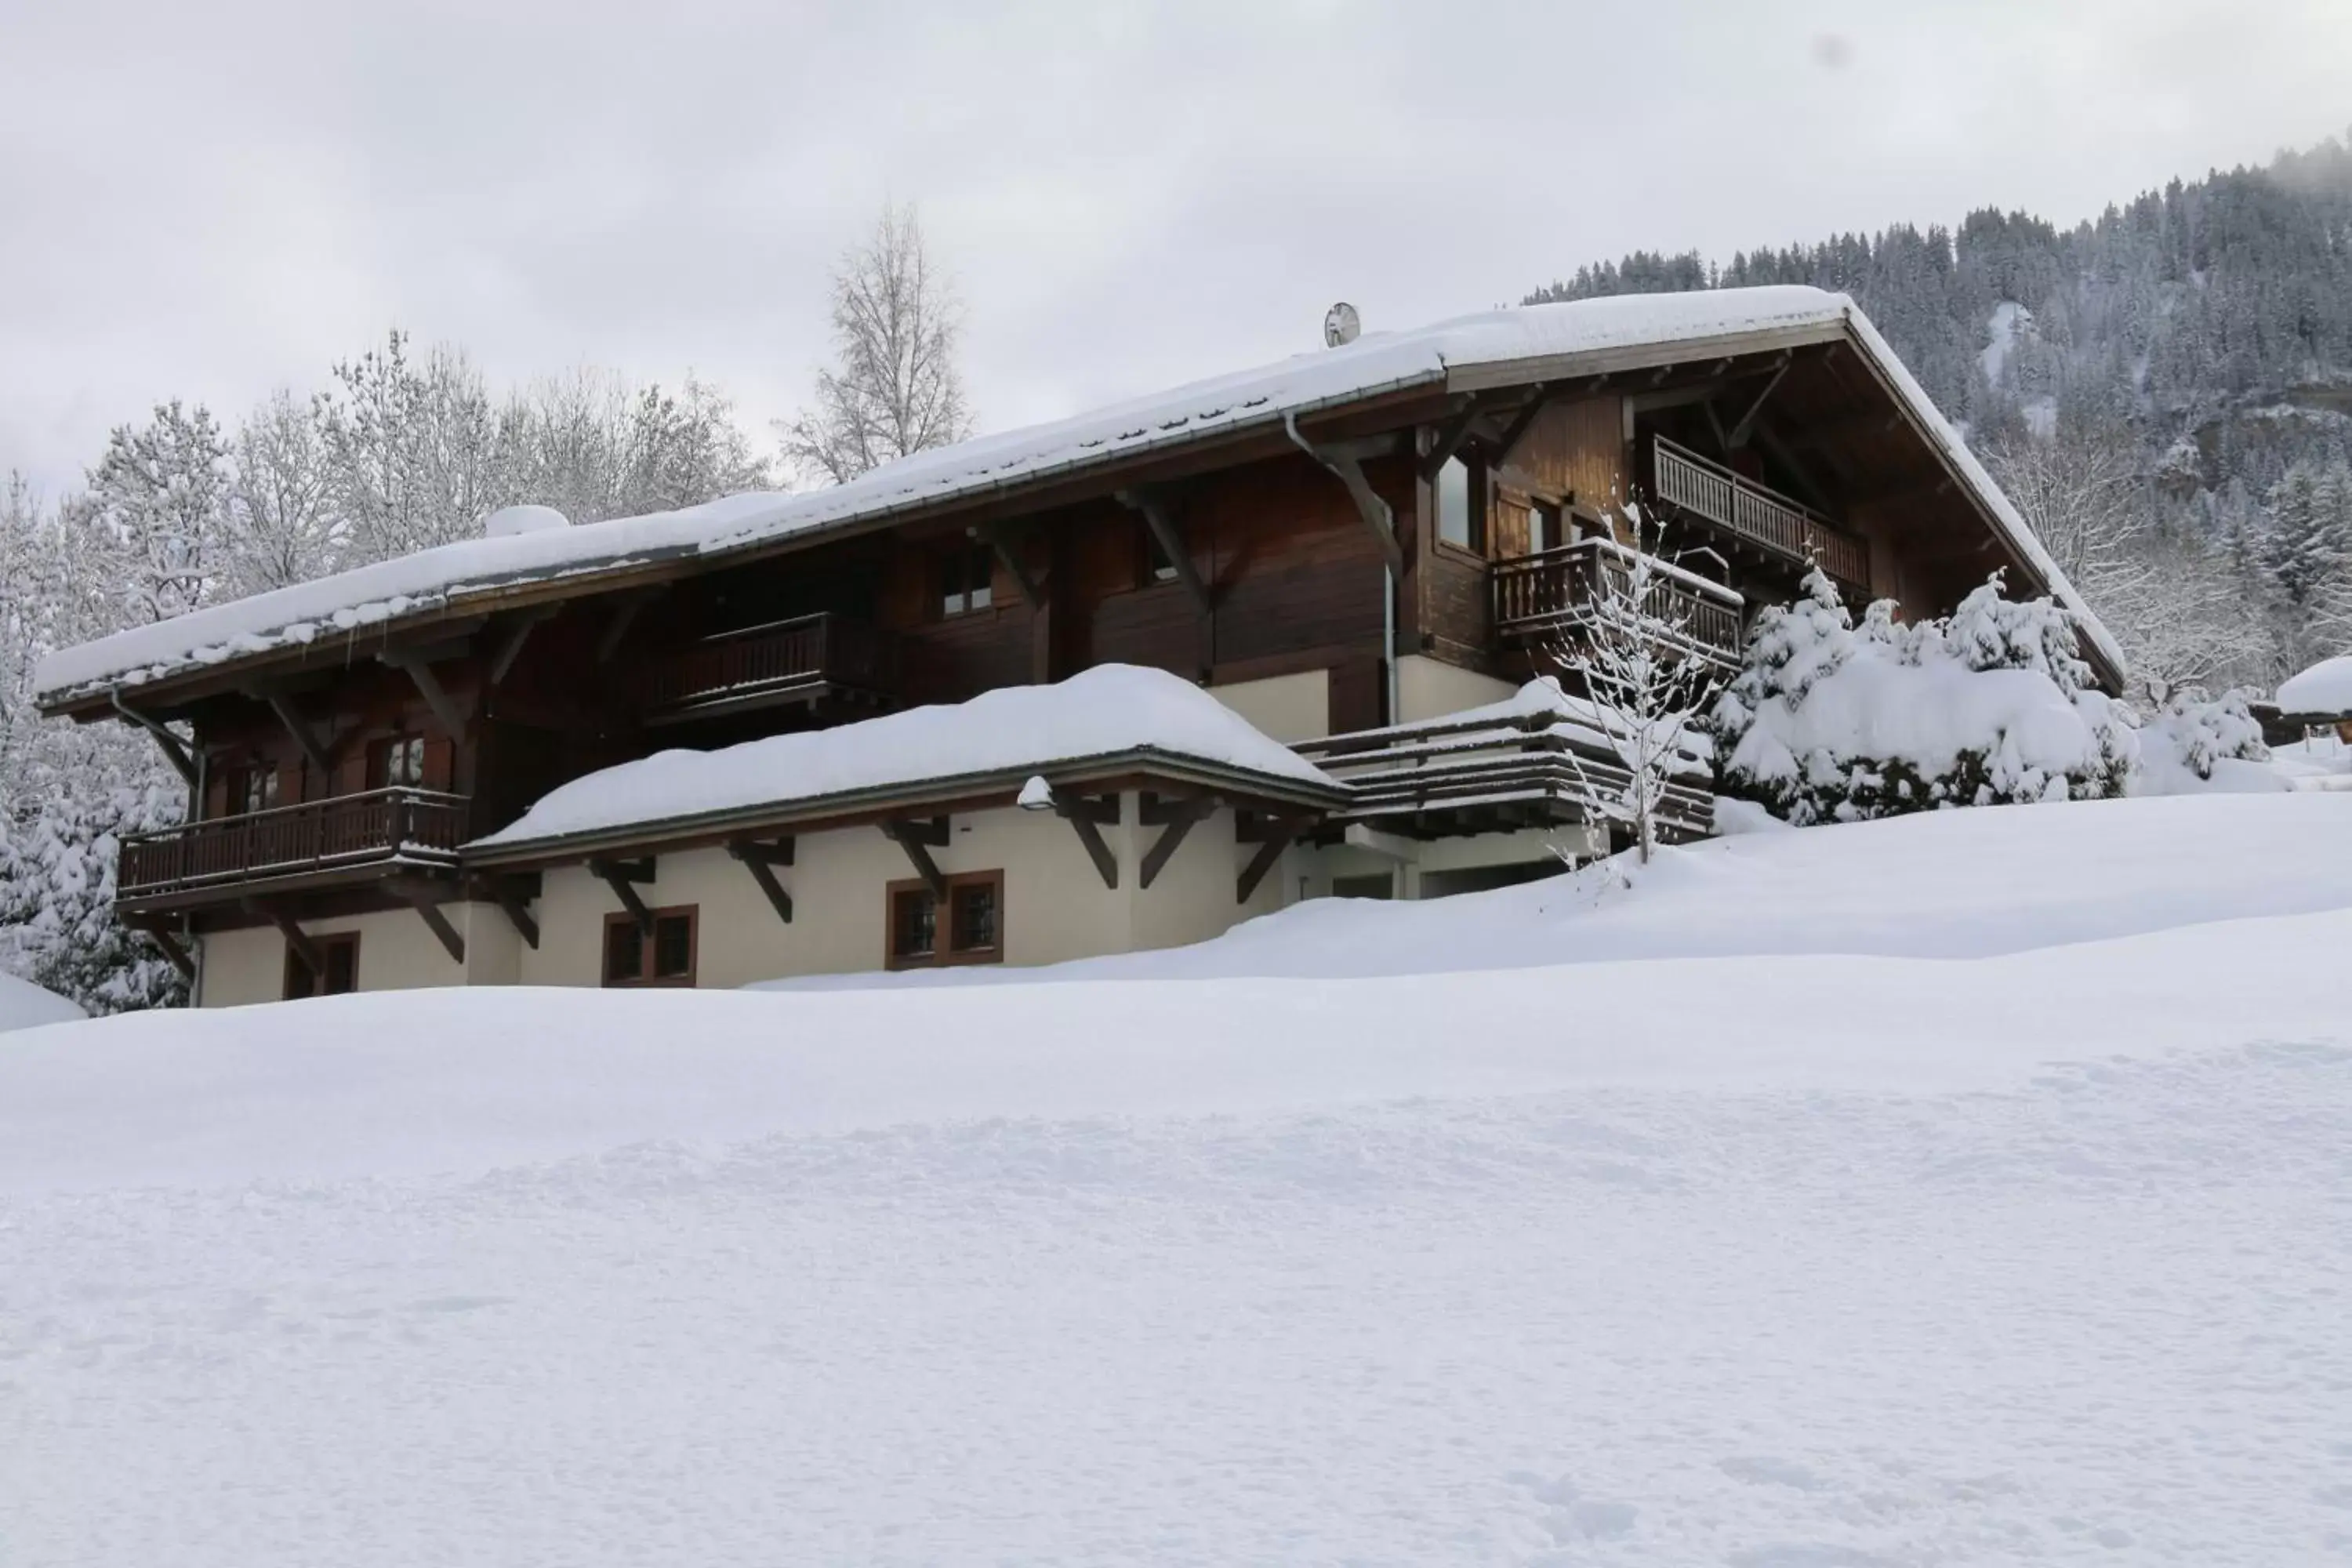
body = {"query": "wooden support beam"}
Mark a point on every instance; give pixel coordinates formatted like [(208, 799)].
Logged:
[(1083, 813), (174, 750), (912, 835), (1449, 438), (509, 893), (1745, 424), (621, 877), (1278, 834), (174, 949), (1176, 818), (1524, 421), (1005, 540), (762, 859), (1152, 504), (512, 648), (296, 937), (428, 686), (624, 616), (1376, 513), (425, 898), (313, 748)]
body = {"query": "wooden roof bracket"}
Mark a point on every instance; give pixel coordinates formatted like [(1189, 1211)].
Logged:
[(1005, 541), (913, 835), (1273, 836), (1083, 812), (296, 937), (760, 858), (428, 686), (174, 750), (512, 648), (620, 876), (424, 898), (512, 895), (174, 949), (1745, 424), (1175, 818), (316, 749), (1348, 469), (1152, 503)]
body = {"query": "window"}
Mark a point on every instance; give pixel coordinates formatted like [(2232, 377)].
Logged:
[(1457, 517), (1372, 885), (397, 762), (973, 929), (1543, 527), (253, 788), (668, 959), (340, 957), (967, 579), (1157, 567)]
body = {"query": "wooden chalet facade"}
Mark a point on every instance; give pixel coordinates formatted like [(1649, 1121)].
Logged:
[(1348, 564)]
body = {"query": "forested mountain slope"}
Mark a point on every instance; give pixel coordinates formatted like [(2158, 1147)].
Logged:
[(2169, 386)]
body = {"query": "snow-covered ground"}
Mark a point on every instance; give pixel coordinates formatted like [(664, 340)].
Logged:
[(24, 1005), (1967, 1189)]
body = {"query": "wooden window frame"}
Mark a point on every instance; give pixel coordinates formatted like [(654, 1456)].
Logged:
[(1153, 569), (944, 953), (967, 555), (645, 980), (241, 782), (1478, 492), (380, 753), (342, 938)]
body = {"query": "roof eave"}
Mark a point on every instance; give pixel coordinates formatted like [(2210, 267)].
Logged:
[(847, 807)]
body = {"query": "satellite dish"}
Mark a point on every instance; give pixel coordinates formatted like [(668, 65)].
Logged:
[(513, 519), (1340, 325)]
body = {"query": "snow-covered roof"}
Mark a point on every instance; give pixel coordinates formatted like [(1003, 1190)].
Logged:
[(1109, 713), (1545, 339), (2325, 688)]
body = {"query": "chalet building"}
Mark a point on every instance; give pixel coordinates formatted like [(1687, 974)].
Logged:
[(1112, 683)]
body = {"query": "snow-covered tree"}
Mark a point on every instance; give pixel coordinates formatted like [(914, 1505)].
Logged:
[(895, 387), (57, 901), (161, 491), (280, 526), (1828, 722), (1632, 650), (412, 450)]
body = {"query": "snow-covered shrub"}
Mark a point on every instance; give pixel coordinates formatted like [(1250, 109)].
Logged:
[(2192, 746), (1830, 722), (56, 903)]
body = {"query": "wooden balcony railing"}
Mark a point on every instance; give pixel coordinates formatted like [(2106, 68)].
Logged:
[(1765, 518), (406, 824), (757, 664), (1553, 592)]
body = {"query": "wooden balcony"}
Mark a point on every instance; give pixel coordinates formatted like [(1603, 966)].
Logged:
[(1499, 771), (1786, 529), (803, 660), (344, 837), (1550, 595)]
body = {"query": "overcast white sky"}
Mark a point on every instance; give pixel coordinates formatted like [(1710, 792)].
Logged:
[(210, 200)]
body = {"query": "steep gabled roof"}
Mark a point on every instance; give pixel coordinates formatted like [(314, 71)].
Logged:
[(1495, 348)]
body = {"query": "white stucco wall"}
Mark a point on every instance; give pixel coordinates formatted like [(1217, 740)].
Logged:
[(1429, 689), (1286, 706), (398, 952), (1055, 906)]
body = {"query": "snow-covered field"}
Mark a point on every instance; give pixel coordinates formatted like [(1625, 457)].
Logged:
[(1969, 1189)]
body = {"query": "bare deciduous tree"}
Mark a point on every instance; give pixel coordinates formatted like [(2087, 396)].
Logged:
[(895, 389), (1632, 645), (280, 526)]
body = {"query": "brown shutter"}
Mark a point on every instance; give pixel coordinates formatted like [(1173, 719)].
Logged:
[(439, 755), (352, 771), (216, 791)]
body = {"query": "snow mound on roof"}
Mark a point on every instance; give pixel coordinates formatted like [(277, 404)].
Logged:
[(510, 521), (2325, 688), (24, 1005), (352, 601), (1107, 711)]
